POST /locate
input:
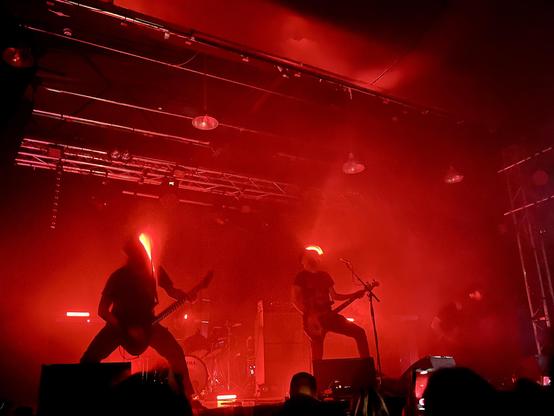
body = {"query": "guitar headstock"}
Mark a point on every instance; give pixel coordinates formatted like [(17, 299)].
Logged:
[(203, 284), (373, 284)]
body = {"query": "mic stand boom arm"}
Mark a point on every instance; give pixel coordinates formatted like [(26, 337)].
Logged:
[(371, 297)]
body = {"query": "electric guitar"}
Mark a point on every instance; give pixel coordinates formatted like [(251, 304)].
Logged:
[(136, 339), (312, 319)]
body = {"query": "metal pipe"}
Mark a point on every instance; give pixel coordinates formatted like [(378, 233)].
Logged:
[(524, 271), (156, 111), (300, 67), (546, 267), (163, 63), (103, 124), (525, 159), (529, 205), (152, 196), (545, 308)]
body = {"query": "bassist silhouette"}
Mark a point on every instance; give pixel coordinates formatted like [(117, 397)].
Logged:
[(313, 294)]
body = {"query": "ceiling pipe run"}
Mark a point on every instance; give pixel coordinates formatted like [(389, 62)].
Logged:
[(158, 111), (206, 40), (120, 127)]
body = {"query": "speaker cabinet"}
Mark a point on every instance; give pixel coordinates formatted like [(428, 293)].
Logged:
[(78, 389), (352, 374), (282, 349)]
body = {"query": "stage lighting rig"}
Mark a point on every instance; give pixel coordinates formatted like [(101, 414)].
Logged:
[(115, 154), (125, 156), (144, 170)]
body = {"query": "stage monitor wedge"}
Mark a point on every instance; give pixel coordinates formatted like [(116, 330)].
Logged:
[(352, 374), (78, 389)]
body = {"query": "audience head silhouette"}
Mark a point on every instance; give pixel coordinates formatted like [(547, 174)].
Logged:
[(303, 383), (137, 397), (458, 391)]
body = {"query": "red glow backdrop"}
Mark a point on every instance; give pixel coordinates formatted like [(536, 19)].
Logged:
[(397, 221)]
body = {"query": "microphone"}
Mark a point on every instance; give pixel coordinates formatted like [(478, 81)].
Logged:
[(345, 261)]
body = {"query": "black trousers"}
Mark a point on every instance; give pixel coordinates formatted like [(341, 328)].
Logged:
[(109, 338), (333, 322)]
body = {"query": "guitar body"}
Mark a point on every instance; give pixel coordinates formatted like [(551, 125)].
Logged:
[(136, 338), (312, 319)]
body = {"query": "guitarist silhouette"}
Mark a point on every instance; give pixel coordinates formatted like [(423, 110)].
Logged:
[(127, 305), (313, 294)]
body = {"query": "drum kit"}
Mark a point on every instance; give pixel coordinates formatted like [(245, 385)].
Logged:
[(216, 358)]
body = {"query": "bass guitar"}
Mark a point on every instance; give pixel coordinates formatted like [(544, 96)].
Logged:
[(136, 339), (312, 319)]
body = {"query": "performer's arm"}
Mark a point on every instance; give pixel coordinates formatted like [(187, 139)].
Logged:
[(104, 311), (345, 296), (167, 285), (296, 295)]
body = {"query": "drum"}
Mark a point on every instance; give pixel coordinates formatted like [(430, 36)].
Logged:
[(196, 345), (198, 373)]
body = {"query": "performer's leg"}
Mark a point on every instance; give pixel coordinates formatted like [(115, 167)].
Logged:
[(317, 347), (166, 345), (339, 324), (102, 345)]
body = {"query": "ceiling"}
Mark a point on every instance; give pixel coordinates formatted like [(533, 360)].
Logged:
[(295, 86), (480, 60)]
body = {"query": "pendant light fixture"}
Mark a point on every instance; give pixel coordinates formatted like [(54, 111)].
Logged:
[(352, 166), (205, 121), (453, 176)]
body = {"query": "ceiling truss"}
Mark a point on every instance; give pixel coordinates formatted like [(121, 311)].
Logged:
[(144, 170)]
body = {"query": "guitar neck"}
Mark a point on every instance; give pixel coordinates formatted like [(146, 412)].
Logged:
[(353, 298), (178, 303), (169, 310), (344, 305)]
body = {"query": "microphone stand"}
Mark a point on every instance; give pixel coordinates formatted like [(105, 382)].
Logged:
[(371, 297)]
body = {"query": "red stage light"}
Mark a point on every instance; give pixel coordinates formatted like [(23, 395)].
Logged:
[(18, 57), (78, 314), (317, 249), (350, 319), (226, 396), (421, 380)]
